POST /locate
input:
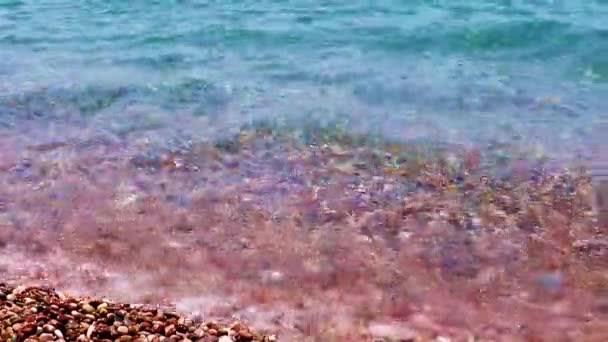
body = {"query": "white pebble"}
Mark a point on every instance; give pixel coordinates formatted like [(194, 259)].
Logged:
[(58, 333)]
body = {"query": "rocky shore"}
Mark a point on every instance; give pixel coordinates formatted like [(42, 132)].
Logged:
[(41, 314)]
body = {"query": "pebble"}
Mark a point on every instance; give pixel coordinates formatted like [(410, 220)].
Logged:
[(45, 337), (392, 331), (124, 323), (88, 308), (170, 330), (58, 333)]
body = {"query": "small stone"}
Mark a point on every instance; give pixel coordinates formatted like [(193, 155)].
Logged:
[(133, 329), (212, 332), (392, 332), (153, 338), (90, 330), (19, 289), (29, 301), (199, 332), (58, 333), (225, 338), (48, 328), (73, 306), (46, 337), (102, 306), (88, 308), (11, 297), (123, 330), (245, 335), (170, 330)]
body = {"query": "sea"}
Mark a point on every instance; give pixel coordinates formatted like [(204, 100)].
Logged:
[(475, 72)]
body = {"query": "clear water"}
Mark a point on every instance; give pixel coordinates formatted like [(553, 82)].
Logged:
[(475, 71)]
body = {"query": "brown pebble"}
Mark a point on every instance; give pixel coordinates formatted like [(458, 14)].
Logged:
[(245, 335), (170, 330), (212, 332), (123, 330), (48, 328), (46, 337), (153, 338), (158, 328), (133, 329)]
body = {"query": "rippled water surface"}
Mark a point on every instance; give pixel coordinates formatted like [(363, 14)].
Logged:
[(530, 71)]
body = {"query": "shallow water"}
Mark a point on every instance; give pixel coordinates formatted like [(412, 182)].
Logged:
[(530, 72)]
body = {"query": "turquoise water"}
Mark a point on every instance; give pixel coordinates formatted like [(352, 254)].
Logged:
[(474, 72)]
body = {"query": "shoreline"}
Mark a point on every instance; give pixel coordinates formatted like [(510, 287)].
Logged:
[(329, 237)]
